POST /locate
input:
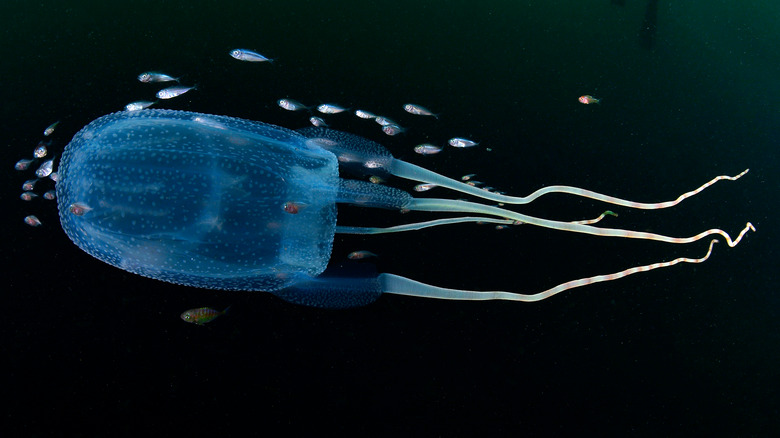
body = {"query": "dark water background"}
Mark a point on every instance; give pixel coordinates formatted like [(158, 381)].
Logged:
[(690, 91)]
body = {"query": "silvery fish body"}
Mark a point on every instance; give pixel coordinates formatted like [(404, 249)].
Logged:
[(459, 142), (318, 122), (365, 114), (427, 149), (330, 108), (139, 105), (418, 110), (291, 105), (152, 76), (171, 92), (248, 56)]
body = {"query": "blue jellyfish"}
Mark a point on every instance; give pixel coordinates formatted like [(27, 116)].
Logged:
[(223, 203)]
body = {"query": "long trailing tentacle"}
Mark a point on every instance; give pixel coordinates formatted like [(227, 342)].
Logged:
[(421, 225), (416, 173), (403, 286), (617, 201), (448, 205)]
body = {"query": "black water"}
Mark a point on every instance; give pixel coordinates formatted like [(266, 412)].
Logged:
[(91, 350)]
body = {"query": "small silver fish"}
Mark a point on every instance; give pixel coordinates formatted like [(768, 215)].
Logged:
[(32, 221), (384, 121), (424, 187), (138, 105), (29, 184), (418, 110), (50, 195), (79, 209), (248, 56), (365, 114), (54, 176), (427, 149), (23, 164), (360, 255), (318, 122), (459, 142), (45, 169), (291, 105), (40, 151), (329, 108), (153, 76), (28, 196), (171, 92), (392, 129), (48, 131)]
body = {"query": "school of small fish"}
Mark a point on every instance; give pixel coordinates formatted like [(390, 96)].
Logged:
[(44, 172)]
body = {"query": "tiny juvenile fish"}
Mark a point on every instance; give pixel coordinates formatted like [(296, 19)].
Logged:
[(50, 129), (418, 110), (202, 315), (171, 92), (28, 196), (293, 207), (153, 76), (360, 255), (384, 121), (291, 105), (79, 209), (45, 169), (459, 142), (588, 99), (248, 56), (50, 195), (427, 149), (40, 151), (392, 129), (365, 114), (424, 187), (29, 184), (318, 122), (138, 105), (32, 221), (23, 164), (329, 108)]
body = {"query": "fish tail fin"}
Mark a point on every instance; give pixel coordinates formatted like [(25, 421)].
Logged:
[(226, 309)]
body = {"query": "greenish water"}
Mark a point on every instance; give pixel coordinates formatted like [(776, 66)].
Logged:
[(688, 349)]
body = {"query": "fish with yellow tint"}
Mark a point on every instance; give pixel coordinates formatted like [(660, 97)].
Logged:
[(360, 255), (588, 99), (50, 129), (202, 315)]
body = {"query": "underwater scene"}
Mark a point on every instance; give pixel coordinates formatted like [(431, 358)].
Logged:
[(407, 219)]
